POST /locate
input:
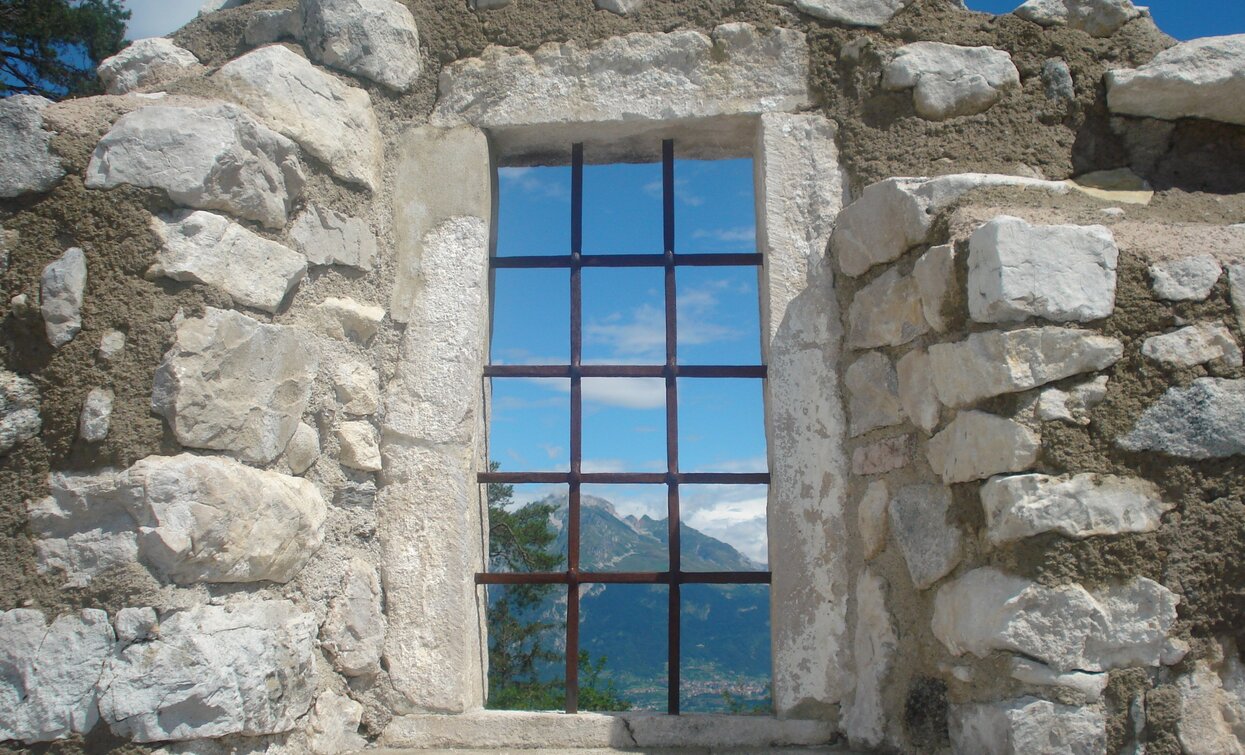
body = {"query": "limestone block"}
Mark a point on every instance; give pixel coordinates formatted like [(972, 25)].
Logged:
[(934, 272), (950, 80), (1098, 18), (214, 671), (894, 215), (214, 156), (853, 12), (1206, 420), (874, 644), (267, 26), (96, 415), (931, 544), (1073, 405), (63, 286), (146, 62), (1194, 344), (1236, 289), (335, 725), (1077, 506), (203, 247), (885, 455), (136, 625), (303, 449), (886, 312), (872, 394), (916, 389), (48, 674), (993, 363), (347, 319), (375, 39), (330, 238), (1185, 278), (1026, 725), (1117, 626), (357, 387), (1058, 80), (111, 344), (331, 120), (359, 448), (737, 69), (1058, 272), (231, 383), (621, 7), (871, 518), (977, 445), (19, 410), (1212, 705), (82, 527), (354, 632), (26, 162), (211, 519), (1201, 78), (1037, 674)]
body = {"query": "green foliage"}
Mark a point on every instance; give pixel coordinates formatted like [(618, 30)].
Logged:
[(52, 47)]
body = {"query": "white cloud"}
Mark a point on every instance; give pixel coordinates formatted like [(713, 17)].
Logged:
[(643, 334), (533, 182), (630, 393), (157, 18), (681, 193), (736, 235)]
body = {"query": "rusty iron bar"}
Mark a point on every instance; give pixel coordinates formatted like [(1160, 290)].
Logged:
[(624, 371), (673, 516), (573, 495)]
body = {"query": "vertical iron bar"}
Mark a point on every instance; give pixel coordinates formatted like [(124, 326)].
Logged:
[(672, 431), (573, 495)]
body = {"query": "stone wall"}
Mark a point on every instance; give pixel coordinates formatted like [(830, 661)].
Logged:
[(248, 312)]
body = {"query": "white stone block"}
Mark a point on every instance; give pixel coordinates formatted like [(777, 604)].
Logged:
[(871, 518), (83, 527), (1077, 506), (621, 7), (96, 415), (136, 625), (873, 394), (347, 319), (335, 725), (1073, 405), (26, 161), (917, 393), (354, 632), (1185, 278), (19, 410), (1037, 674), (267, 26), (931, 544), (853, 12), (886, 312), (1027, 725), (1212, 704), (375, 39), (111, 344), (145, 63), (1200, 78), (330, 238), (359, 448), (63, 287), (303, 449), (1098, 18), (935, 279), (357, 387), (977, 445), (950, 80), (874, 645), (885, 455), (1236, 289), (1206, 420), (1193, 345)]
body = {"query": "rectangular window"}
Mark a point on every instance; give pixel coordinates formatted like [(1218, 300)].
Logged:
[(650, 386)]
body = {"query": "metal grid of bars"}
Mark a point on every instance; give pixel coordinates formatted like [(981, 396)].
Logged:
[(573, 577)]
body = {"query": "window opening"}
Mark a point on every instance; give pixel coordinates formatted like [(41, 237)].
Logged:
[(579, 576)]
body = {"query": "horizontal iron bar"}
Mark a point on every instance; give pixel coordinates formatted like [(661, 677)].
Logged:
[(628, 478), (628, 260), (626, 578), (625, 371)]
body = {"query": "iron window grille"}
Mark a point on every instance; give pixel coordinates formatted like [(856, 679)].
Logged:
[(573, 577)]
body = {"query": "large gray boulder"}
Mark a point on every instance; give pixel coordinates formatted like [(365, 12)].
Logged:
[(62, 289), (19, 410), (26, 162), (1201, 78), (1098, 18), (354, 632), (950, 80), (853, 12), (931, 544), (1205, 420), (146, 62), (231, 383), (375, 39), (214, 156)]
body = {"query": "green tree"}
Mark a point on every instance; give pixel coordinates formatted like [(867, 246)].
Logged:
[(52, 47)]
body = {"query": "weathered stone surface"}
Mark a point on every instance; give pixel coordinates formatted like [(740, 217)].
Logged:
[(111, 344), (357, 387), (994, 363), (894, 215), (231, 383), (48, 674), (347, 319), (1041, 675), (211, 519), (267, 26), (1212, 704), (1201, 78), (1026, 725), (146, 62), (303, 449), (63, 287), (873, 394), (931, 544), (1058, 80), (1206, 420), (136, 625), (916, 389), (26, 164), (886, 312), (977, 445), (83, 527), (1072, 405), (853, 12), (1067, 627), (1185, 278), (330, 238), (211, 157), (335, 725), (885, 455), (1079, 506), (949, 80), (489, 4), (874, 645), (375, 39), (934, 272), (735, 70), (354, 632), (96, 415), (1194, 344), (245, 669), (359, 448), (1236, 289), (202, 247), (1098, 18), (1058, 272), (19, 410), (350, 494), (871, 518), (331, 120), (621, 7)]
